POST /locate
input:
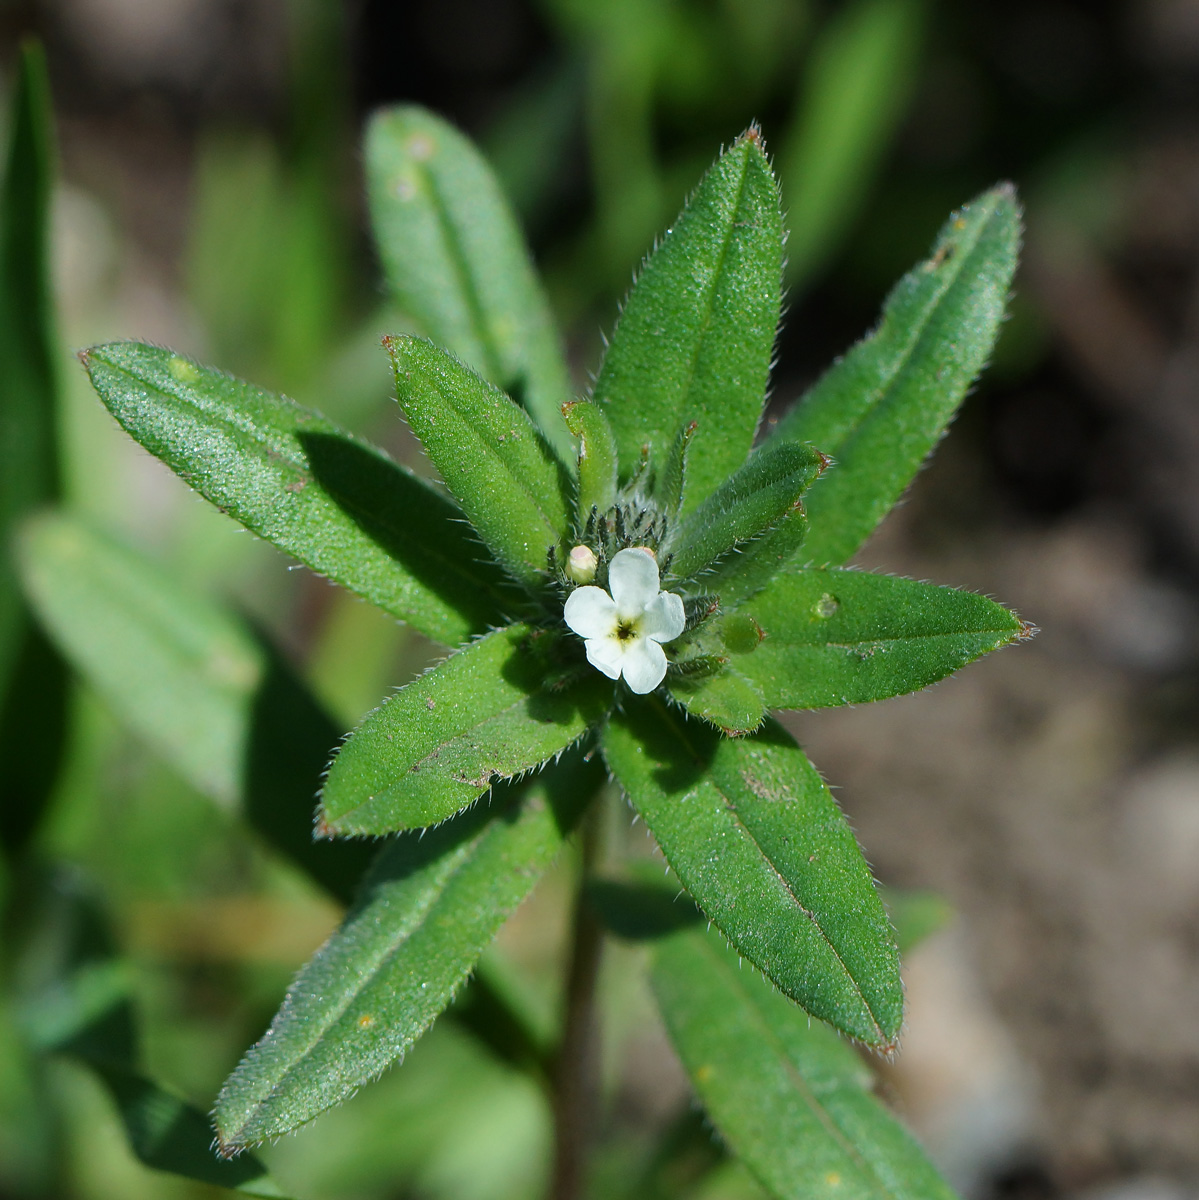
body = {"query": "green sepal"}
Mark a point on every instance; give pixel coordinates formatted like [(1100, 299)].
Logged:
[(427, 911), (328, 499), (757, 497), (490, 454), (455, 260), (492, 710), (789, 1097), (597, 459), (754, 835), (672, 475), (834, 636), (695, 337), (725, 699), (882, 408)]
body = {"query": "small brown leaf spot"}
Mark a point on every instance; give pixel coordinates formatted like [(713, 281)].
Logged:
[(811, 858), (322, 829), (833, 1178), (366, 1020), (753, 134), (960, 223), (296, 485), (501, 438), (430, 703), (1027, 630), (943, 255), (704, 1074)]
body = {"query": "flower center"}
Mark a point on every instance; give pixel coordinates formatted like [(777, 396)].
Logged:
[(626, 631)]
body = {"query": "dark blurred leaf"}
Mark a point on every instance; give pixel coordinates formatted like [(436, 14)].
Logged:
[(455, 260), (880, 410), (188, 676), (854, 93), (791, 1099), (429, 908), (334, 502), (32, 679), (78, 1005)]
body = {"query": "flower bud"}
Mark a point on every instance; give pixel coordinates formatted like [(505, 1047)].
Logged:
[(581, 565)]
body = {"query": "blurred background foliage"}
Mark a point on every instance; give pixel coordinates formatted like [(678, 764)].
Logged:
[(210, 198)]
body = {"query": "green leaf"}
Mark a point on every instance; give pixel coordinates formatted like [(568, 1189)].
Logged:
[(695, 337), (81, 1008), (790, 1098), (337, 504), (169, 1134), (598, 467), (751, 830), (881, 409), (28, 417), (32, 679), (490, 454), (491, 710), (759, 496), (725, 699), (455, 260), (852, 99), (432, 904), (738, 576), (188, 677), (834, 636)]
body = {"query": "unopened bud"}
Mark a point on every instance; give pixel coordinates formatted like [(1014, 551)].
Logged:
[(581, 564)]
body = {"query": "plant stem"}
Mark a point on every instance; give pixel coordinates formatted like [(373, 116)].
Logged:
[(576, 1072)]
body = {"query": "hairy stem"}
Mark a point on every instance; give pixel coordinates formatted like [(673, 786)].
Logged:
[(576, 1072)]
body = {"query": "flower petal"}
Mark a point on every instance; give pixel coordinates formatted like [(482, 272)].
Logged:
[(664, 618), (591, 613), (633, 581), (606, 654), (644, 665)]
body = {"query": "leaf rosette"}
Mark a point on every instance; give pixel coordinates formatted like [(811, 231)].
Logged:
[(602, 569)]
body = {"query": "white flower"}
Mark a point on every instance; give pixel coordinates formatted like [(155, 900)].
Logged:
[(624, 631)]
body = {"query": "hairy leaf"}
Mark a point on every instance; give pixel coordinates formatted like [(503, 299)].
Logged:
[(834, 636), (751, 830), (335, 503), (597, 459), (758, 497), (881, 409), (425, 914), (455, 260), (789, 1097), (188, 676), (695, 336), (725, 699), (743, 574), (490, 454), (490, 711)]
